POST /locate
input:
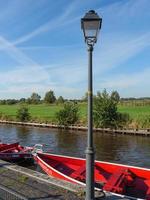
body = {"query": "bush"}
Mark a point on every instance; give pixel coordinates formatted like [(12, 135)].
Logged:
[(68, 115), (23, 114), (105, 112), (123, 120)]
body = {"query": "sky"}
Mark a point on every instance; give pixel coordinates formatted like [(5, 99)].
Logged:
[(42, 48)]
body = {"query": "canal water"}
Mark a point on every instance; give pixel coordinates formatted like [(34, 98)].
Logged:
[(131, 150)]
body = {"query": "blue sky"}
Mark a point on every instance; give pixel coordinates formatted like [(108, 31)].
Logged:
[(42, 47)]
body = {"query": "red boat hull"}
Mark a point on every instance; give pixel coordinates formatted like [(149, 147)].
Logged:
[(14, 152), (115, 178)]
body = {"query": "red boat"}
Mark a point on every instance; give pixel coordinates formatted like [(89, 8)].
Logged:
[(122, 180), (2, 144), (15, 152)]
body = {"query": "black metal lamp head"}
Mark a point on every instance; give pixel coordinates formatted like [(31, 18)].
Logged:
[(91, 24)]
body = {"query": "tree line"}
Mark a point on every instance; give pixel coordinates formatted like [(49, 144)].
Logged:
[(50, 98), (35, 98)]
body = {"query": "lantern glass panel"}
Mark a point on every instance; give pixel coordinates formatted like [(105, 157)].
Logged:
[(91, 28)]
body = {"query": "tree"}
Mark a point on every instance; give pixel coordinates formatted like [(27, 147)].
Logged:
[(49, 97), (115, 96), (23, 114), (11, 101), (28, 101), (3, 102), (68, 115), (22, 100), (35, 98), (60, 100), (105, 111)]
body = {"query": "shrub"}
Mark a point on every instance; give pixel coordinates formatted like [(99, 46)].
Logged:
[(23, 114), (105, 112), (68, 115)]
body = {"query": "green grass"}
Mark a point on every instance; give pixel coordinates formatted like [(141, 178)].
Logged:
[(135, 112), (40, 111), (47, 112), (9, 110), (44, 111)]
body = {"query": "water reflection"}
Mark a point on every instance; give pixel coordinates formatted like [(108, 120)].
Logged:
[(23, 133), (131, 150), (70, 142)]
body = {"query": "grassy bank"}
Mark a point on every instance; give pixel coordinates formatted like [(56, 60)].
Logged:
[(140, 115), (43, 112), (39, 112)]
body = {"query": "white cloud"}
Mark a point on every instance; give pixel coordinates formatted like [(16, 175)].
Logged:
[(40, 78), (121, 81), (25, 75), (20, 91), (112, 50), (118, 40), (29, 70), (15, 53), (115, 52), (30, 76), (59, 21)]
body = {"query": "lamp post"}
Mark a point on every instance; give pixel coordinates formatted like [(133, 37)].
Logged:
[(90, 24)]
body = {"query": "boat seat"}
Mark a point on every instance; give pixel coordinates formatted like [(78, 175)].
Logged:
[(52, 162), (117, 181), (63, 168), (101, 175), (77, 174)]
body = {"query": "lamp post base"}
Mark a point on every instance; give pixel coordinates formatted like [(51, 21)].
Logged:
[(90, 173), (99, 194)]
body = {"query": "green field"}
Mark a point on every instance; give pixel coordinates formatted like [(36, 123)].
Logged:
[(39, 112), (47, 112), (135, 112)]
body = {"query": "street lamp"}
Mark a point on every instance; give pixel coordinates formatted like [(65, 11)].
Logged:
[(90, 24)]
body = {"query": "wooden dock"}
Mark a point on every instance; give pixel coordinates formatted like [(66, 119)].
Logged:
[(34, 185), (137, 132), (31, 184)]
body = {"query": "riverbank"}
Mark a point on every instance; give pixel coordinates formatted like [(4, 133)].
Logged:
[(137, 132), (44, 113)]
